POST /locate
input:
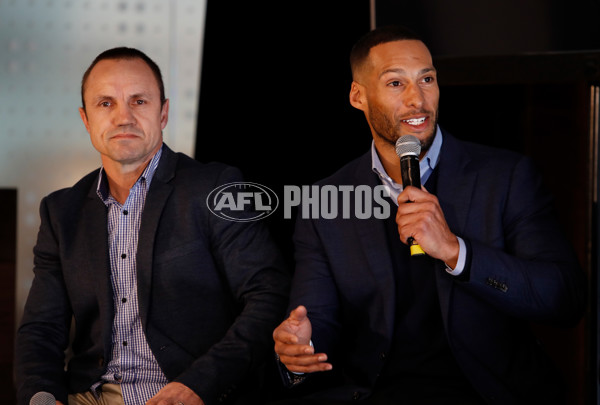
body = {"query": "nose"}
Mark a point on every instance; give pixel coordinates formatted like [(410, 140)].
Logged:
[(413, 96), (123, 114)]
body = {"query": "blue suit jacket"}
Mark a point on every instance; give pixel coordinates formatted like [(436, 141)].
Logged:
[(210, 290), (522, 269)]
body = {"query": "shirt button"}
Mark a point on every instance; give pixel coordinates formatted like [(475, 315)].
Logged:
[(125, 212), (125, 343), (123, 256), (123, 300), (118, 377)]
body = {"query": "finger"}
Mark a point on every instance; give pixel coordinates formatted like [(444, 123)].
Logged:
[(408, 194), (283, 349), (309, 368), (408, 215), (283, 335), (426, 210), (413, 194), (175, 392), (303, 361)]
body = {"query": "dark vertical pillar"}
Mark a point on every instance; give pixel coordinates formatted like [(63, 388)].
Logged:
[(8, 260), (594, 343)]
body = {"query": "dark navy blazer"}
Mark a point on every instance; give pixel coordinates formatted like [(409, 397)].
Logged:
[(522, 269)]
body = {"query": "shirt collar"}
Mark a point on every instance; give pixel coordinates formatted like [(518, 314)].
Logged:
[(147, 175), (426, 165)]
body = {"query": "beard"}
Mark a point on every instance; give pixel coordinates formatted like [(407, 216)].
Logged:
[(389, 131)]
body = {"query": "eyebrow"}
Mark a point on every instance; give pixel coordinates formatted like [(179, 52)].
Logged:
[(99, 98), (402, 71), (133, 96), (140, 95)]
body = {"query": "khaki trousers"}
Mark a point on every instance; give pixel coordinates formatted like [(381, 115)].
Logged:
[(110, 395)]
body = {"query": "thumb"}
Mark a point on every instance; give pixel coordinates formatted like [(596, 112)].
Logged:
[(299, 314)]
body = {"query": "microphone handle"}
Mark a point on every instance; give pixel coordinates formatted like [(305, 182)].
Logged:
[(410, 171), (411, 176)]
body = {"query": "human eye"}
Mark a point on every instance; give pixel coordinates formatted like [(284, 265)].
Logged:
[(138, 101), (395, 83), (105, 104), (428, 79)]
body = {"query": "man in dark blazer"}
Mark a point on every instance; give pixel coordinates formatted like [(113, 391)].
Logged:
[(176, 306), (370, 321)]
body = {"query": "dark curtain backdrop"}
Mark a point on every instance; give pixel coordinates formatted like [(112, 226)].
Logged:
[(497, 27), (274, 92), (519, 74)]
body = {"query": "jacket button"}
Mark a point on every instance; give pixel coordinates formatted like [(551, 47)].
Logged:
[(355, 395), (382, 356)]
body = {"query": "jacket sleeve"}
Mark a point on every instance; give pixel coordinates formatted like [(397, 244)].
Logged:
[(252, 267), (529, 269), (43, 335)]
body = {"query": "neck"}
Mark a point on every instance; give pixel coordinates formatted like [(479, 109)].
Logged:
[(121, 178), (389, 159)]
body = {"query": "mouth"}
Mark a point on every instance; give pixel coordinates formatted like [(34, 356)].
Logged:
[(415, 121), (124, 135)]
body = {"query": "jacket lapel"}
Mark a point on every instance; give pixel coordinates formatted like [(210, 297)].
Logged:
[(95, 227), (157, 197), (372, 237), (456, 185)]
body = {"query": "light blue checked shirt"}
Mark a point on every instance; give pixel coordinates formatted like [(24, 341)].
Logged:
[(132, 364)]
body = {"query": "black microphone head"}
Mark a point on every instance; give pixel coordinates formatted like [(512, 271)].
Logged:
[(42, 398), (408, 145)]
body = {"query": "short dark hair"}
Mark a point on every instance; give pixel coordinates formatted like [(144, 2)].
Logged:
[(380, 35), (123, 52)]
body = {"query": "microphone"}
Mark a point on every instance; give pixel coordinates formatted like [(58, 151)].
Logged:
[(408, 149), (42, 398)]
